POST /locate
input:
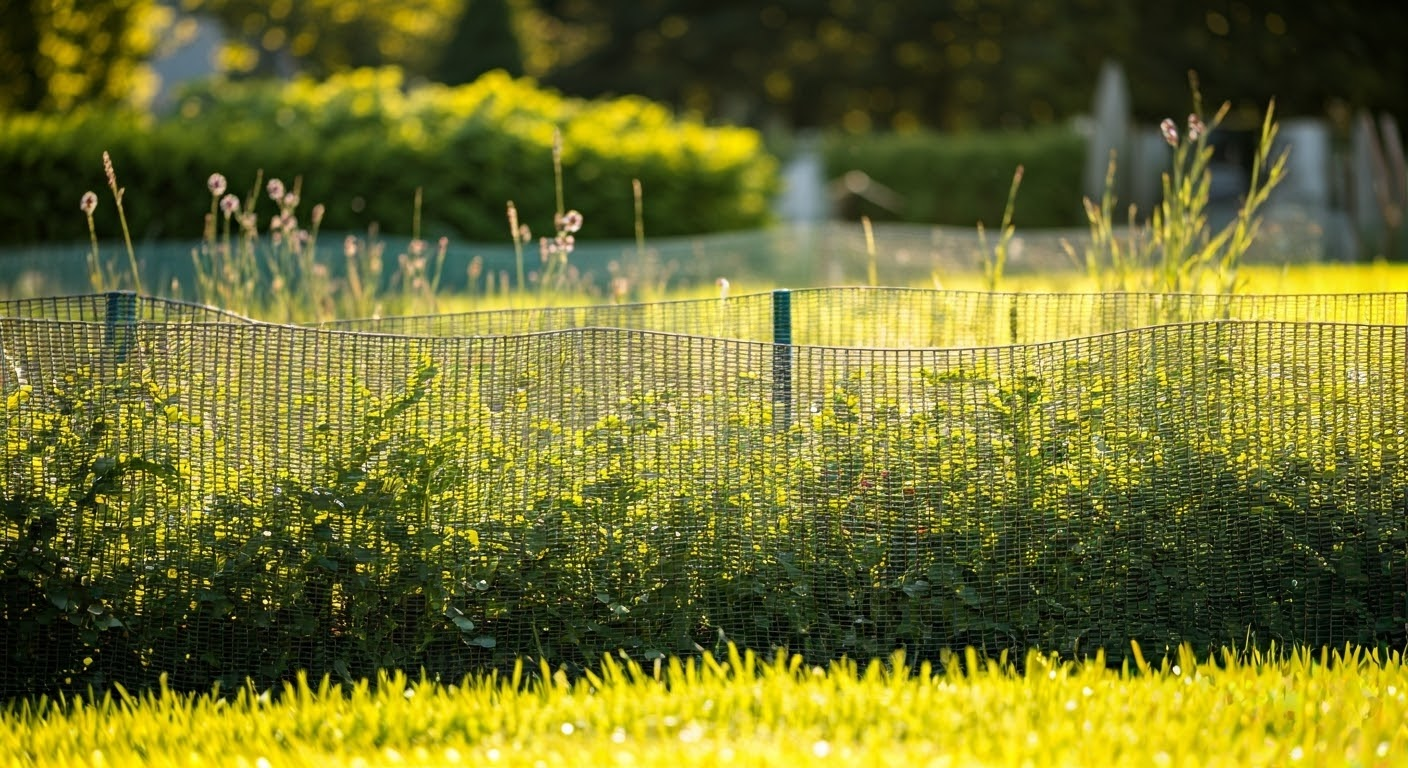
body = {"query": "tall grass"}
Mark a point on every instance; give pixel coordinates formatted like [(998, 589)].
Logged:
[(1176, 250), (271, 268)]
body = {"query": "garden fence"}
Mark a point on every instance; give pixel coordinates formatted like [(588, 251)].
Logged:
[(190, 492)]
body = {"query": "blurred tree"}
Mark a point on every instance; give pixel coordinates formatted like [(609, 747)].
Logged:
[(977, 63), (318, 37), (58, 54), (1305, 54), (485, 39), (881, 63)]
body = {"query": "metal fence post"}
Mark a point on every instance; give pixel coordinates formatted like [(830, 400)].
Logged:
[(121, 316), (782, 357)]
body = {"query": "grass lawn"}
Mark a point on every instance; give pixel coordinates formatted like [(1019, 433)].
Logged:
[(1346, 708)]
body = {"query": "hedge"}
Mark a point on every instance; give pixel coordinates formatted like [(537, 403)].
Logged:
[(963, 179), (364, 142)]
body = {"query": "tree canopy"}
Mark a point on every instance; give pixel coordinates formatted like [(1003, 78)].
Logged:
[(858, 64), (56, 55)]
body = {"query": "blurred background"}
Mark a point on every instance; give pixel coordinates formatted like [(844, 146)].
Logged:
[(903, 111)]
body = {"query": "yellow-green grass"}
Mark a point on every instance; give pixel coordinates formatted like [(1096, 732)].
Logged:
[(1328, 277), (1345, 708)]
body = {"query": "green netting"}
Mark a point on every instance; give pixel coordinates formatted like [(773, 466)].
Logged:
[(192, 493)]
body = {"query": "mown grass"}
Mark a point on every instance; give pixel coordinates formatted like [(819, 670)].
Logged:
[(1345, 708)]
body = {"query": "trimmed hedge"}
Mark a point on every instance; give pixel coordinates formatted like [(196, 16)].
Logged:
[(362, 144), (960, 180)]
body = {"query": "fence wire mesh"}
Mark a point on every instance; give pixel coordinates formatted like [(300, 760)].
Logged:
[(905, 317), (191, 493)]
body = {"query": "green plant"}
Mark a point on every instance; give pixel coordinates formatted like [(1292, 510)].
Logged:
[(1176, 251), (995, 259)]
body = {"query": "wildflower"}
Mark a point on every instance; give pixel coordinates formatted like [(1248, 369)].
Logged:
[(1170, 131), (723, 287), (276, 190), (1195, 127), (88, 203), (417, 247), (349, 246), (217, 185), (525, 234), (565, 243), (318, 211), (570, 221), (229, 204), (290, 200)]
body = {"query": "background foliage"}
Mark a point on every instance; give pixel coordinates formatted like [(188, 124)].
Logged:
[(362, 144)]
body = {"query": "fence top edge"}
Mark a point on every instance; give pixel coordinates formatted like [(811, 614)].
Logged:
[(1289, 327)]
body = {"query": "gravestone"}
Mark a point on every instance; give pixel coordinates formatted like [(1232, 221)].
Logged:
[(1109, 130)]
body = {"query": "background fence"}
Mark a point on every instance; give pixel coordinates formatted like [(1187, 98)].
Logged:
[(803, 255), (190, 492)]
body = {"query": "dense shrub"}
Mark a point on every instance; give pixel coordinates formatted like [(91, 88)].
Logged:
[(961, 180), (454, 504), (363, 143)]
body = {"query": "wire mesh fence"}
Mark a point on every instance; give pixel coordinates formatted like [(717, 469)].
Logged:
[(192, 493), (904, 318)]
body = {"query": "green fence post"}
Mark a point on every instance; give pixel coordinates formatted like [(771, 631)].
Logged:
[(121, 316), (782, 357)]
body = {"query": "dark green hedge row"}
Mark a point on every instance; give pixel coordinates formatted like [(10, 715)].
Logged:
[(960, 180), (362, 145)]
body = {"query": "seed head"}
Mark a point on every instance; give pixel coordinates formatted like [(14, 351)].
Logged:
[(108, 171), (88, 203), (1195, 127), (290, 200), (216, 182), (570, 222), (1170, 131), (229, 205), (317, 213), (276, 190)]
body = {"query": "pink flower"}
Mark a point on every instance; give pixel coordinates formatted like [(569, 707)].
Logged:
[(1170, 131), (570, 221), (1195, 127), (229, 205), (217, 185), (88, 203), (276, 190)]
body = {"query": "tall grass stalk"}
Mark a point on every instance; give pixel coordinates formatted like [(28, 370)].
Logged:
[(995, 258), (117, 193), (1176, 250), (872, 269), (520, 235)]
